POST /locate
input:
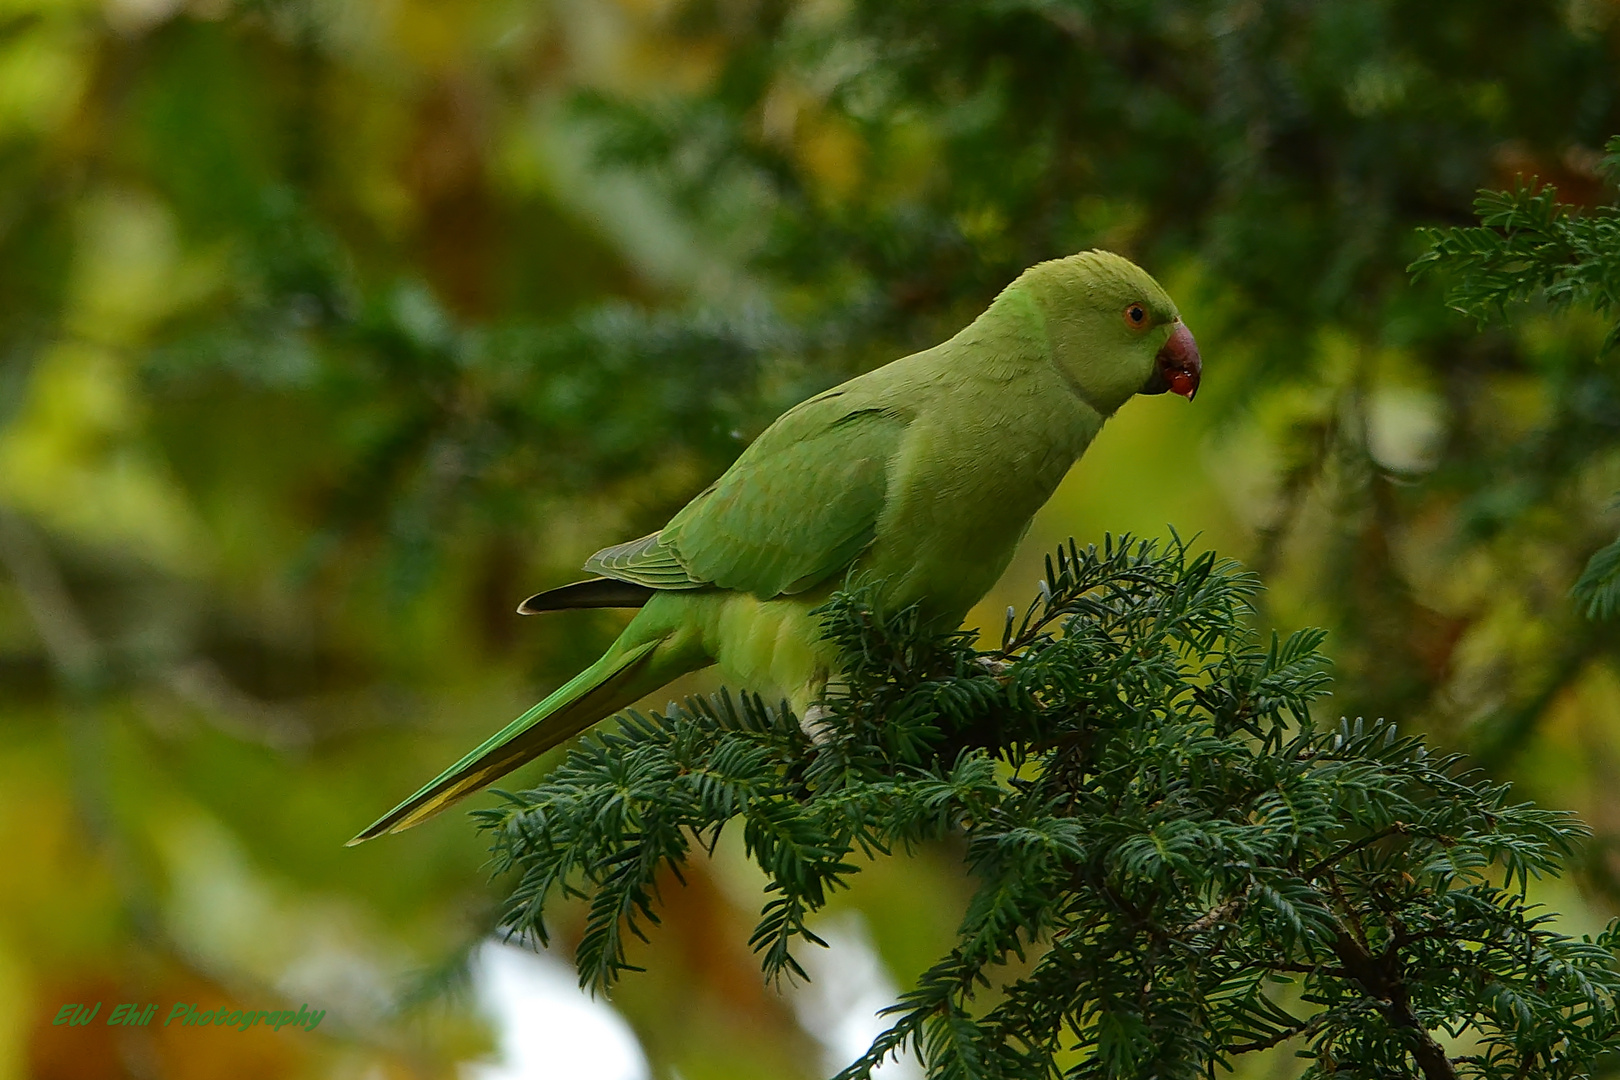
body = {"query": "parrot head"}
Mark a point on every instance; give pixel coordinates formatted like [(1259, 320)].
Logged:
[(1114, 332)]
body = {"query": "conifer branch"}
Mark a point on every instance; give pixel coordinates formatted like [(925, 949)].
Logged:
[(1156, 826), (1528, 245)]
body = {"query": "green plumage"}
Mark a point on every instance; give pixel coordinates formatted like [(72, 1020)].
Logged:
[(923, 474), (827, 459)]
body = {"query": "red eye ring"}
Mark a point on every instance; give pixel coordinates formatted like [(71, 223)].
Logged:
[(1136, 316)]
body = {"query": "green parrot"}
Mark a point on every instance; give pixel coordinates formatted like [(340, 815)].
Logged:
[(921, 475)]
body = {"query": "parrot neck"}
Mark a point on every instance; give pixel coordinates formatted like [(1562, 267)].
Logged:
[(1023, 390), (1017, 341)]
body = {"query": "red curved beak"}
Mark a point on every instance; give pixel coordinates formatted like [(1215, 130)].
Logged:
[(1179, 366)]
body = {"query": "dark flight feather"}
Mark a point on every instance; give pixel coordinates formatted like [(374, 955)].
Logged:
[(594, 593)]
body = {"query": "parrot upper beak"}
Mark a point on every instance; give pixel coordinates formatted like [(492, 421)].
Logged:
[(1177, 367)]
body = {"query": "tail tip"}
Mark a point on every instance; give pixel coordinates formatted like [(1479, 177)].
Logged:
[(377, 828)]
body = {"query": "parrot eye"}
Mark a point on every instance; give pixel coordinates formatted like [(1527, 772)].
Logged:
[(1136, 316)]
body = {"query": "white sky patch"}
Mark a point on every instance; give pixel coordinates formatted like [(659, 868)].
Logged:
[(548, 1027), (848, 987), (1405, 428)]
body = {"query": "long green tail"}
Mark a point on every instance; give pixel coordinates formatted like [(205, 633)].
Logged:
[(607, 686)]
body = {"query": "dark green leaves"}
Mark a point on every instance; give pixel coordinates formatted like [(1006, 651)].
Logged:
[(1188, 869), (1529, 244), (1598, 588)]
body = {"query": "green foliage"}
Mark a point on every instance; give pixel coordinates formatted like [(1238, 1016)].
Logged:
[(886, 165), (1528, 245), (1291, 145), (326, 338), (1598, 587), (1185, 867)]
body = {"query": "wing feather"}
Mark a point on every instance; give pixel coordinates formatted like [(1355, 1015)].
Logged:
[(648, 561), (799, 505)]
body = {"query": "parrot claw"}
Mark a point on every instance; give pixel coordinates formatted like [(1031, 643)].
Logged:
[(996, 668)]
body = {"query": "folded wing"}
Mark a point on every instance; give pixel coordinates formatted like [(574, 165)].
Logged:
[(796, 508)]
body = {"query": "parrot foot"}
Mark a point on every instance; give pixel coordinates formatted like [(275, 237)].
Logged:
[(996, 668), (814, 723)]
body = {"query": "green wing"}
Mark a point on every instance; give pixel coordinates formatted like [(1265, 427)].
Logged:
[(647, 561), (797, 507)]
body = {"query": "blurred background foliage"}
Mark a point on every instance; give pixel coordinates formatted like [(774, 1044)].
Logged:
[(330, 330)]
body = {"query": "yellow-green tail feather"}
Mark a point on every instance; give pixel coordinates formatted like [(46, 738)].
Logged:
[(608, 685)]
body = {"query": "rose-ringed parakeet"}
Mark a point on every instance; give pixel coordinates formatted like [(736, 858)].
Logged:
[(921, 476)]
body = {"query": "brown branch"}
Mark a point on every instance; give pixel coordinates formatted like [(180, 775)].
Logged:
[(1380, 977), (1216, 915), (69, 645), (1303, 1027), (229, 708)]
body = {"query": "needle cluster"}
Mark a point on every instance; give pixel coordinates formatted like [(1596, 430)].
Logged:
[(1175, 864), (1530, 246)]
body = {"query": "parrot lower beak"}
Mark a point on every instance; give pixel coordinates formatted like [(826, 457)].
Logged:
[(1177, 367)]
